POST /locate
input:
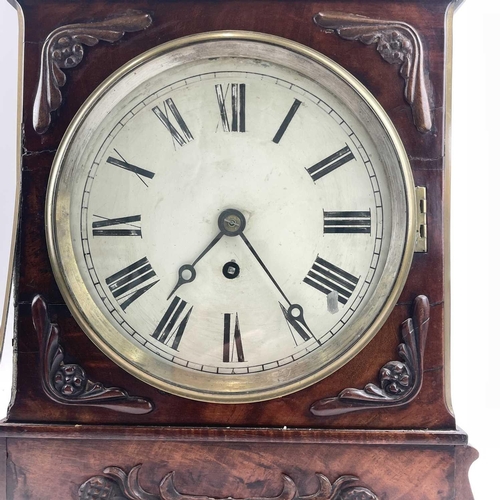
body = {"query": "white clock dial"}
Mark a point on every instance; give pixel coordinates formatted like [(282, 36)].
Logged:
[(239, 217)]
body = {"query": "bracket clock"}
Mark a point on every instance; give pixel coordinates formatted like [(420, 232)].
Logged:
[(231, 265)]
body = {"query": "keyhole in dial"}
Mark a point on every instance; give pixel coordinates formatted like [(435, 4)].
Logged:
[(231, 270)]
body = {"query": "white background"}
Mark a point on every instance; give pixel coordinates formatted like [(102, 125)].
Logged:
[(475, 342)]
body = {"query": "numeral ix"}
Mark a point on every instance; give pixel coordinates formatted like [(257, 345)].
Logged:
[(105, 227)]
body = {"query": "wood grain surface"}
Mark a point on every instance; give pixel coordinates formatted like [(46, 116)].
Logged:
[(292, 19), (48, 450)]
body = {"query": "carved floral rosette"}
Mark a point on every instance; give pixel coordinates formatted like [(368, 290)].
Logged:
[(63, 49), (68, 384), (400, 381), (116, 484), (397, 43)]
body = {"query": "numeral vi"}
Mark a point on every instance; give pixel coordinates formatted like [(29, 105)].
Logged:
[(232, 340)]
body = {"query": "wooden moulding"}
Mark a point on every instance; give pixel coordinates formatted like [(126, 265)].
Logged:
[(158, 463), (233, 435)]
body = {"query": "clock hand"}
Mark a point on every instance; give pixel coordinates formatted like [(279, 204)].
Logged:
[(259, 260), (295, 313), (187, 272), (231, 222)]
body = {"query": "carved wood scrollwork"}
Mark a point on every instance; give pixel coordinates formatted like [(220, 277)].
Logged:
[(397, 43), (116, 484), (68, 384), (400, 381), (63, 49)]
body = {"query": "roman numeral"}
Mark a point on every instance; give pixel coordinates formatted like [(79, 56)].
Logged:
[(173, 323), (347, 222), (130, 283), (286, 121), (232, 340), (330, 163), (181, 137), (238, 103), (121, 163), (102, 227), (328, 278)]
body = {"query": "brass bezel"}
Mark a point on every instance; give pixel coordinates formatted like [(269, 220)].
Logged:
[(121, 350)]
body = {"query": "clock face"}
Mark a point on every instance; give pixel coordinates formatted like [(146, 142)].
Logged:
[(231, 217)]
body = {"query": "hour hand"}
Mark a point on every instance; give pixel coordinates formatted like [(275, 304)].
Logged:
[(187, 272)]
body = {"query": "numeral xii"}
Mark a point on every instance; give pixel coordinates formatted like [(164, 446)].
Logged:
[(238, 107)]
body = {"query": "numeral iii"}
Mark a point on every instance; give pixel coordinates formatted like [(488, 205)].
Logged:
[(347, 222)]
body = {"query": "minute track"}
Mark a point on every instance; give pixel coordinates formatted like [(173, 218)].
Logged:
[(179, 359)]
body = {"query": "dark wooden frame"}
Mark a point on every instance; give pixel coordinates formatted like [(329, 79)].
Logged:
[(37, 418)]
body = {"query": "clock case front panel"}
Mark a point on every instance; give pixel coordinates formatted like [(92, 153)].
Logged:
[(293, 20)]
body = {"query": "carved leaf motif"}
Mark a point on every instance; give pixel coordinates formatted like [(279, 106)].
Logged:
[(343, 490), (68, 383), (400, 381), (63, 49), (122, 485), (397, 43)]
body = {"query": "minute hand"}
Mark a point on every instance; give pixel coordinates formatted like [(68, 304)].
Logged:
[(294, 314), (259, 260)]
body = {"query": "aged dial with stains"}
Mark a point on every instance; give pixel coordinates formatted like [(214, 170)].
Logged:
[(231, 217)]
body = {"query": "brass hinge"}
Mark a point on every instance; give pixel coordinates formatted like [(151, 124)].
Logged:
[(421, 239)]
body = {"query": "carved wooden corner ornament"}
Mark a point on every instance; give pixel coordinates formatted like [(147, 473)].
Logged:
[(117, 484), (68, 383), (400, 381), (397, 43), (63, 49)]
